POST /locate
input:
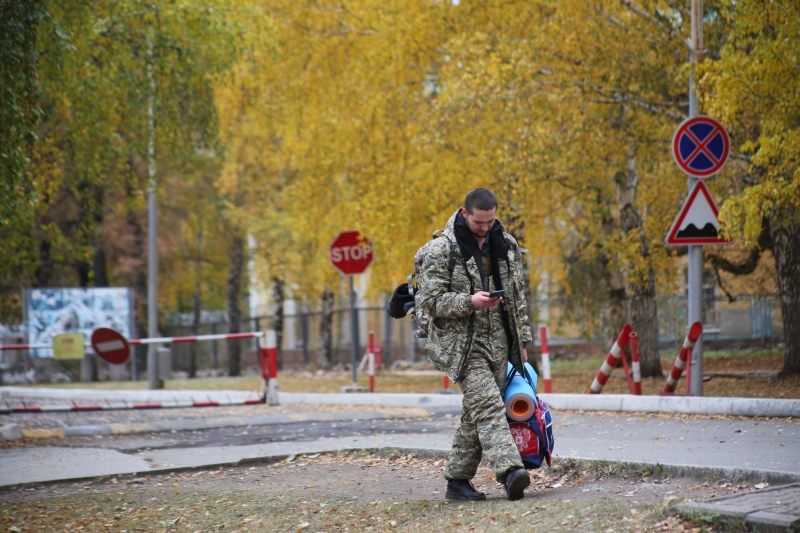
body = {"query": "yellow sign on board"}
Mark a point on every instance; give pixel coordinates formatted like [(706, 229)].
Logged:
[(68, 346)]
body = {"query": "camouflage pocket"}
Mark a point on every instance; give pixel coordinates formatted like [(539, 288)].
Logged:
[(446, 342)]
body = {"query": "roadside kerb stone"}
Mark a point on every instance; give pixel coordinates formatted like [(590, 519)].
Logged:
[(10, 431), (54, 464), (698, 405), (772, 509), (112, 395), (767, 407), (214, 422), (576, 402)]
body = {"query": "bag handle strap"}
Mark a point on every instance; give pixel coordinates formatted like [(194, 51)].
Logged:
[(525, 375)]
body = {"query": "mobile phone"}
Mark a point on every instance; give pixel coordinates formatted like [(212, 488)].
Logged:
[(497, 294)]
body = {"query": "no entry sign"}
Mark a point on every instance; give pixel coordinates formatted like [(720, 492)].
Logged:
[(350, 253), (110, 345), (700, 146)]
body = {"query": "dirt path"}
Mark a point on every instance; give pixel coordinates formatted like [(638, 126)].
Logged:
[(355, 492)]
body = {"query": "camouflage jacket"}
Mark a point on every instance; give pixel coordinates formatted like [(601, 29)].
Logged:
[(450, 331)]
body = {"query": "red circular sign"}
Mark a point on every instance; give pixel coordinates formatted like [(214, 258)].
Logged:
[(350, 253), (701, 146), (110, 345)]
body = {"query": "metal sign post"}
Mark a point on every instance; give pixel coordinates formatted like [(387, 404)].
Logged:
[(700, 148), (354, 330), (695, 296), (350, 253)]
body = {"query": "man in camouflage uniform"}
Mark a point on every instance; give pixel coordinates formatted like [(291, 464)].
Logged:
[(472, 336)]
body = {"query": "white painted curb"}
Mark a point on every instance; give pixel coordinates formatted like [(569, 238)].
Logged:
[(697, 405), (577, 402)]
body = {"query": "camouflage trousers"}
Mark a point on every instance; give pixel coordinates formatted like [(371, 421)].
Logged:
[(484, 428)]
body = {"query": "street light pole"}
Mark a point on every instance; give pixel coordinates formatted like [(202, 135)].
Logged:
[(695, 281), (152, 259)]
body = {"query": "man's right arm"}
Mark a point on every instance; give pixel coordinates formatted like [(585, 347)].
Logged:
[(436, 296)]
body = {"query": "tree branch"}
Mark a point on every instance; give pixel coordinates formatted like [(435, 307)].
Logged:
[(731, 298), (751, 262)]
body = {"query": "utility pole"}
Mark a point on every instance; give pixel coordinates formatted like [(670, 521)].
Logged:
[(695, 281)]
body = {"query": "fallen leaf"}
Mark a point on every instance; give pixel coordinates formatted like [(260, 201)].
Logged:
[(170, 523)]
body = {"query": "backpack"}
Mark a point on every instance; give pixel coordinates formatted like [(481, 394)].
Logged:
[(405, 299), (533, 437), (420, 320)]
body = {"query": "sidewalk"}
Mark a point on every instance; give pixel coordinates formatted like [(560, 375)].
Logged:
[(587, 427)]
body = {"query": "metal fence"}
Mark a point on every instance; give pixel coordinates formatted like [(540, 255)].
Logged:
[(748, 319)]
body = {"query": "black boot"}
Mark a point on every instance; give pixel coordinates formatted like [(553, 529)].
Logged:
[(516, 481), (462, 489)]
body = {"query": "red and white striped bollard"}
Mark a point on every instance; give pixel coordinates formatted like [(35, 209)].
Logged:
[(680, 362), (611, 361), (548, 387), (371, 362), (636, 372), (272, 364)]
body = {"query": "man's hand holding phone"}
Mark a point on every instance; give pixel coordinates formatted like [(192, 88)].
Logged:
[(485, 300)]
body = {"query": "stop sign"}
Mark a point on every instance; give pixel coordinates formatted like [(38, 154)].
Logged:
[(350, 253), (110, 345)]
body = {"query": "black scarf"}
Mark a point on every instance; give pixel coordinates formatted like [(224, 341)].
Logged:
[(498, 248)]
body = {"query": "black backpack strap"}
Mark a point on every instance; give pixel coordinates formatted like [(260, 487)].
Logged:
[(452, 251)]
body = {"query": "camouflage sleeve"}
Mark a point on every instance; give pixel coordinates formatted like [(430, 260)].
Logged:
[(522, 304), (436, 297)]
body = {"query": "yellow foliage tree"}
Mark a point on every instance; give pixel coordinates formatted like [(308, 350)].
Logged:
[(753, 86)]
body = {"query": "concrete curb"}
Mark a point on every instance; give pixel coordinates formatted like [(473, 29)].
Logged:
[(771, 407), (214, 423), (690, 471), (111, 395), (10, 432), (771, 509), (767, 407)]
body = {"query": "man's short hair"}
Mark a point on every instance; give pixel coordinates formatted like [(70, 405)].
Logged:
[(480, 198)]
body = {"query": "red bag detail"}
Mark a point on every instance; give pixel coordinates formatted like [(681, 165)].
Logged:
[(525, 439)]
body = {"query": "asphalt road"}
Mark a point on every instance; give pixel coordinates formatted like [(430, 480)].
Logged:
[(754, 446)]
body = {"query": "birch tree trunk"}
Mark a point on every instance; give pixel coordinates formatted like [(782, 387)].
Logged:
[(644, 313)]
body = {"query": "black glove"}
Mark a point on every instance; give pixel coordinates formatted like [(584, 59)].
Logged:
[(400, 303)]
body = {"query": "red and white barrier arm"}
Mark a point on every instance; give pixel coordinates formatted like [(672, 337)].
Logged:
[(680, 362), (156, 340), (636, 372), (548, 387), (611, 361), (196, 338)]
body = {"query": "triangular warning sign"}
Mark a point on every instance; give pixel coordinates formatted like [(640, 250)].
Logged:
[(697, 221)]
